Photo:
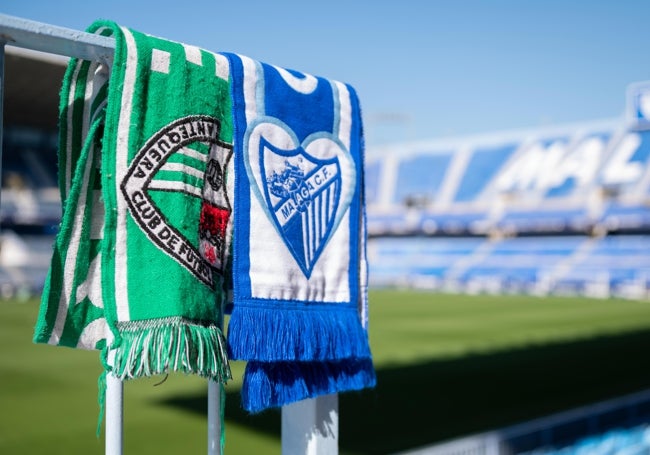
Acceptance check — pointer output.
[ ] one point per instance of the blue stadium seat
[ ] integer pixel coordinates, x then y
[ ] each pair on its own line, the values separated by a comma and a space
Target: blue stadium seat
482, 166
618, 216
420, 176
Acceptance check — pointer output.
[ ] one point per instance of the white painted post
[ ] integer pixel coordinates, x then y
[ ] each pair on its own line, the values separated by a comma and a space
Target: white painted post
114, 415
311, 427
214, 418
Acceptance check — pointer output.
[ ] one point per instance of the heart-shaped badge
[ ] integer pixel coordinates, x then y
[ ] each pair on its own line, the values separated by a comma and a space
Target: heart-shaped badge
305, 188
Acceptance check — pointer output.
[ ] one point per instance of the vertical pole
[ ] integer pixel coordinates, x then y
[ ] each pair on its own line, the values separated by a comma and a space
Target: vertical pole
114, 415
214, 418
311, 426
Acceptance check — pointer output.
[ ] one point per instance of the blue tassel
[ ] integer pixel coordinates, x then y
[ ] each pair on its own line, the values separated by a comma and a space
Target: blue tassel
285, 331
269, 385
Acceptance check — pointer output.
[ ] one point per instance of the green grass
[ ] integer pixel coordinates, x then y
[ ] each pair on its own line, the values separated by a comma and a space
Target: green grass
406, 327
447, 365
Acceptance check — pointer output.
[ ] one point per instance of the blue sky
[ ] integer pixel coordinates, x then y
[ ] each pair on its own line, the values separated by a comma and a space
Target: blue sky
423, 69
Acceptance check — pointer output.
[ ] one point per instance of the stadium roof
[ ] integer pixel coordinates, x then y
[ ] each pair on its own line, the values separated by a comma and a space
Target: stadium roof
31, 89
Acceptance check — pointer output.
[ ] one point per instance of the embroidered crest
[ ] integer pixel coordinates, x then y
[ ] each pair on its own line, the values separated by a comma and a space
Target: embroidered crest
193, 141
303, 194
304, 187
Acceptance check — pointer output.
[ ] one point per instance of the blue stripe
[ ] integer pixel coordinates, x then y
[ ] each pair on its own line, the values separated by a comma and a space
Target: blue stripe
241, 223
303, 113
356, 208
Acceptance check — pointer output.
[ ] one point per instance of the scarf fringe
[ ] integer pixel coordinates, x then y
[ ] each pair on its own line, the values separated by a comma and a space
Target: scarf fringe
277, 333
160, 346
269, 385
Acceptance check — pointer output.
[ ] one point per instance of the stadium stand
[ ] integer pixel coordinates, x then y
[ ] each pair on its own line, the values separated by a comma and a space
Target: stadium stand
563, 209
31, 207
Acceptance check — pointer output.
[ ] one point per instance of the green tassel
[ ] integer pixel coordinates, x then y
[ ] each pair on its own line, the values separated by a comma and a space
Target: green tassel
101, 399
160, 346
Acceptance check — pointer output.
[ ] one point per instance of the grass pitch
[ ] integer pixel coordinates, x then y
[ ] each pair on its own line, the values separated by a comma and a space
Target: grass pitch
447, 365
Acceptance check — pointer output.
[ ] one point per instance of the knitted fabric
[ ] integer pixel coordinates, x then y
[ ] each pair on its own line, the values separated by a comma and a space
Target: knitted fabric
299, 267
137, 269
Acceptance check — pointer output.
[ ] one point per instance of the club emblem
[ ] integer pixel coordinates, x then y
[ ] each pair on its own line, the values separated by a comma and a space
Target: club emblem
305, 189
182, 162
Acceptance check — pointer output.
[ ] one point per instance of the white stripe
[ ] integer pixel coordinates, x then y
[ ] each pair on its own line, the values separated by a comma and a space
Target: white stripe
324, 198
174, 185
69, 266
315, 229
250, 85
193, 154
345, 121
97, 76
317, 220
183, 168
93, 332
305, 237
345, 128
363, 267
314, 238
121, 167
160, 61
310, 227
332, 201
310, 238
193, 54
100, 74
222, 69
319, 217
363, 276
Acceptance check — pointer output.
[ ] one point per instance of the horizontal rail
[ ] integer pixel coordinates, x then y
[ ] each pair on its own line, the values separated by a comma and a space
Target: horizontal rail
49, 38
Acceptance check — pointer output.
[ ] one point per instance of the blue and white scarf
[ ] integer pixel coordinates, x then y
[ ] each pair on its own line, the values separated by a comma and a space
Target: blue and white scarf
299, 315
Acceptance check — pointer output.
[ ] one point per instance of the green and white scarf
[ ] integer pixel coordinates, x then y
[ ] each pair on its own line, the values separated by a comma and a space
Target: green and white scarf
145, 175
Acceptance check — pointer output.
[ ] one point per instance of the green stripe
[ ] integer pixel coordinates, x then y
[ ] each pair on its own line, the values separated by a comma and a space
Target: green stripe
200, 147
176, 176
